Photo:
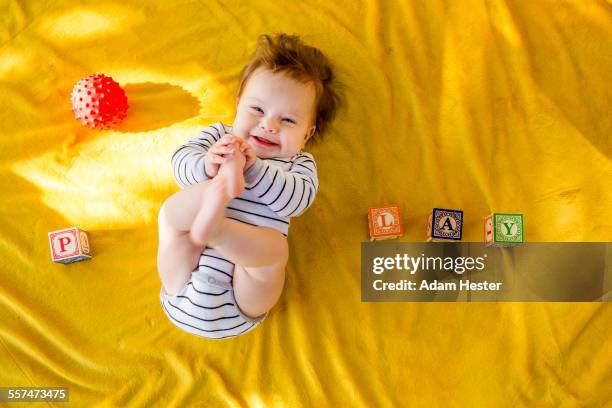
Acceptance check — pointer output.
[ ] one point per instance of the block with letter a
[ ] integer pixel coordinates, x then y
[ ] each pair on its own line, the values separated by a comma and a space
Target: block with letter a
444, 225
69, 245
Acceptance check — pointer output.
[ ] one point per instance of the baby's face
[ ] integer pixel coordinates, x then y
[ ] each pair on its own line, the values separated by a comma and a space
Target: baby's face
275, 114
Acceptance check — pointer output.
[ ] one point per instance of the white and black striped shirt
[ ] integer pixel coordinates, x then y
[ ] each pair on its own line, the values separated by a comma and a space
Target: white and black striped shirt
275, 189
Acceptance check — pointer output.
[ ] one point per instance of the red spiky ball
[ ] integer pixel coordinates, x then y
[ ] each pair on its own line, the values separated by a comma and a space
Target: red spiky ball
99, 102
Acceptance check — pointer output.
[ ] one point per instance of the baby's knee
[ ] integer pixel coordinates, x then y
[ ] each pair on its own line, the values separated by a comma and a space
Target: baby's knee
165, 228
162, 217
283, 251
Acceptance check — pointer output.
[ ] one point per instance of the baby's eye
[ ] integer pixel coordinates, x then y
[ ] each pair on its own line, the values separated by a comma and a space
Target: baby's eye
289, 120
257, 109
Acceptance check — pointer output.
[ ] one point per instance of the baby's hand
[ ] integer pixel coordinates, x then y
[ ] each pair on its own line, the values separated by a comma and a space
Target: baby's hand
218, 154
249, 153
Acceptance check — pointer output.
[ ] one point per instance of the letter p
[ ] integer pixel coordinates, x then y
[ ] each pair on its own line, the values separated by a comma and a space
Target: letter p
63, 241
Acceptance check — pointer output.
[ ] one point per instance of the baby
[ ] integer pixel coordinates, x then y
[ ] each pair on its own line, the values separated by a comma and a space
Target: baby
223, 237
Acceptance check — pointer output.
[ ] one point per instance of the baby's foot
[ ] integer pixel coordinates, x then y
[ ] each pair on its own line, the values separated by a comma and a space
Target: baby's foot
232, 172
228, 183
208, 220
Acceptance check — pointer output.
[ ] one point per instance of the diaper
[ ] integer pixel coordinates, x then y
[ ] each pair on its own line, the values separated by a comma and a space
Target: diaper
206, 305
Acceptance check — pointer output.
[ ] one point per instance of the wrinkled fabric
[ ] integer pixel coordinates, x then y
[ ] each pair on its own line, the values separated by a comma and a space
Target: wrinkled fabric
481, 106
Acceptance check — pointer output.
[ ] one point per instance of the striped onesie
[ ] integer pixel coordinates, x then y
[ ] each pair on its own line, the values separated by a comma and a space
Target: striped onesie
275, 190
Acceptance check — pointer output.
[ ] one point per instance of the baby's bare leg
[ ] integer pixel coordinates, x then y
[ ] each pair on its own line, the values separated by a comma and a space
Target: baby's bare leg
177, 254
260, 255
194, 218
189, 217
231, 184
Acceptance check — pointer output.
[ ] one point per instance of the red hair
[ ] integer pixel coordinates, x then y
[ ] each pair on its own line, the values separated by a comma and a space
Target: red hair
287, 54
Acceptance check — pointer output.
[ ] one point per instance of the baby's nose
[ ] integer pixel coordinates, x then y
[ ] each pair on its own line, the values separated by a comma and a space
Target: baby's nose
269, 125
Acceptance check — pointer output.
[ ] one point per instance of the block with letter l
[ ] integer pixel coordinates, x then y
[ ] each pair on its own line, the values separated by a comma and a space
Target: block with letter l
385, 222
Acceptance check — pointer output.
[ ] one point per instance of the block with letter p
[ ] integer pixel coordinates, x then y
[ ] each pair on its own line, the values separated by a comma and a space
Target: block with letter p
69, 245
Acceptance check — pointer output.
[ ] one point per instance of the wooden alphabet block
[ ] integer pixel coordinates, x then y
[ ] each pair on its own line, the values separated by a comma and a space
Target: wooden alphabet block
385, 222
69, 245
503, 229
445, 225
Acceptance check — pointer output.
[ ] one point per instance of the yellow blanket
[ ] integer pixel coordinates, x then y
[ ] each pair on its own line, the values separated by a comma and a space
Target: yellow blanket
476, 105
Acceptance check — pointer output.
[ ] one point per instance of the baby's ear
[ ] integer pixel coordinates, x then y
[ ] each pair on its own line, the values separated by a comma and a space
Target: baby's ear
309, 133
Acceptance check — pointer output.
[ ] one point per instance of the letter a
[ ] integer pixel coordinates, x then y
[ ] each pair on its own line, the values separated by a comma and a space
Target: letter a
447, 224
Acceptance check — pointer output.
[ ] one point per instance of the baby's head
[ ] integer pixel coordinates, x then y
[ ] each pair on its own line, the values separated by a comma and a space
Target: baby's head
287, 94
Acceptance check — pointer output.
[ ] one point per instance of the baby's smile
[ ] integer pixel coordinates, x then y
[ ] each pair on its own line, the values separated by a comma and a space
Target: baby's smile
262, 141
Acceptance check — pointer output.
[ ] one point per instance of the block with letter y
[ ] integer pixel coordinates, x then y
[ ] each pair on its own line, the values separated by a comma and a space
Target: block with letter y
502, 229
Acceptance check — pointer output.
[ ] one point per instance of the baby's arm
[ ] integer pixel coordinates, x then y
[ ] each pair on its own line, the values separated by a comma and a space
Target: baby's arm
287, 193
188, 160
